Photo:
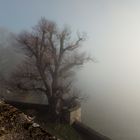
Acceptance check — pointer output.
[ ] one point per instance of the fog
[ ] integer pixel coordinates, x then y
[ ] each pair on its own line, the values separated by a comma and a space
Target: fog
113, 82
10, 53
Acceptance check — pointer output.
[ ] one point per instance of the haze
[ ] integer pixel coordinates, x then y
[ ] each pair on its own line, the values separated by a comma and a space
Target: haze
113, 82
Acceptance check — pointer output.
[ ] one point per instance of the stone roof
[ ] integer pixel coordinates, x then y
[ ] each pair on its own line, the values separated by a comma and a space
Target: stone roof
15, 125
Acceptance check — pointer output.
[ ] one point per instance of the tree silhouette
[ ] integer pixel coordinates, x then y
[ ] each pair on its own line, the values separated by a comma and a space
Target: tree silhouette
51, 58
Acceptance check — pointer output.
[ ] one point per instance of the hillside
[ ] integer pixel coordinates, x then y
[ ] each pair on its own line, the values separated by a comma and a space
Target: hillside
15, 125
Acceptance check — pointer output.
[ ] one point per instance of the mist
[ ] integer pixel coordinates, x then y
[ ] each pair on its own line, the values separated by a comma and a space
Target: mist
112, 82
10, 53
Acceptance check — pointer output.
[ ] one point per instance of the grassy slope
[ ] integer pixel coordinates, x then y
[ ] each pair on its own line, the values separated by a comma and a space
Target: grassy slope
62, 131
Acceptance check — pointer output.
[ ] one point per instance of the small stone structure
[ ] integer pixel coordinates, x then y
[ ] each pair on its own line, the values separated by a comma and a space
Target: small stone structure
73, 114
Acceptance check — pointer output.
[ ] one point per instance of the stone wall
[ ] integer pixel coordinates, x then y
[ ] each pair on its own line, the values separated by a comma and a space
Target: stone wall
69, 115
31, 109
40, 98
87, 132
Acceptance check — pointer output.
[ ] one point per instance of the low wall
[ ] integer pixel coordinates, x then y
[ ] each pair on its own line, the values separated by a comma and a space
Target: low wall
69, 115
25, 105
87, 132
41, 110
30, 108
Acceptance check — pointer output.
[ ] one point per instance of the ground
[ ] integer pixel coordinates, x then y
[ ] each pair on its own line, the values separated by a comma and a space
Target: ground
62, 131
15, 125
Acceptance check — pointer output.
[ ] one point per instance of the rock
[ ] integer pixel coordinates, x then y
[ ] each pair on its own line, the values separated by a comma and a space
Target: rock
15, 125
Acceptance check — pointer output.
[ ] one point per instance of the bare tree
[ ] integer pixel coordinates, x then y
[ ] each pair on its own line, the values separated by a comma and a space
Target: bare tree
51, 58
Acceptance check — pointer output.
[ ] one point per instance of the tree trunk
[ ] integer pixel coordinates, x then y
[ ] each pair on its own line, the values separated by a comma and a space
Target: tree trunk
55, 108
52, 109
